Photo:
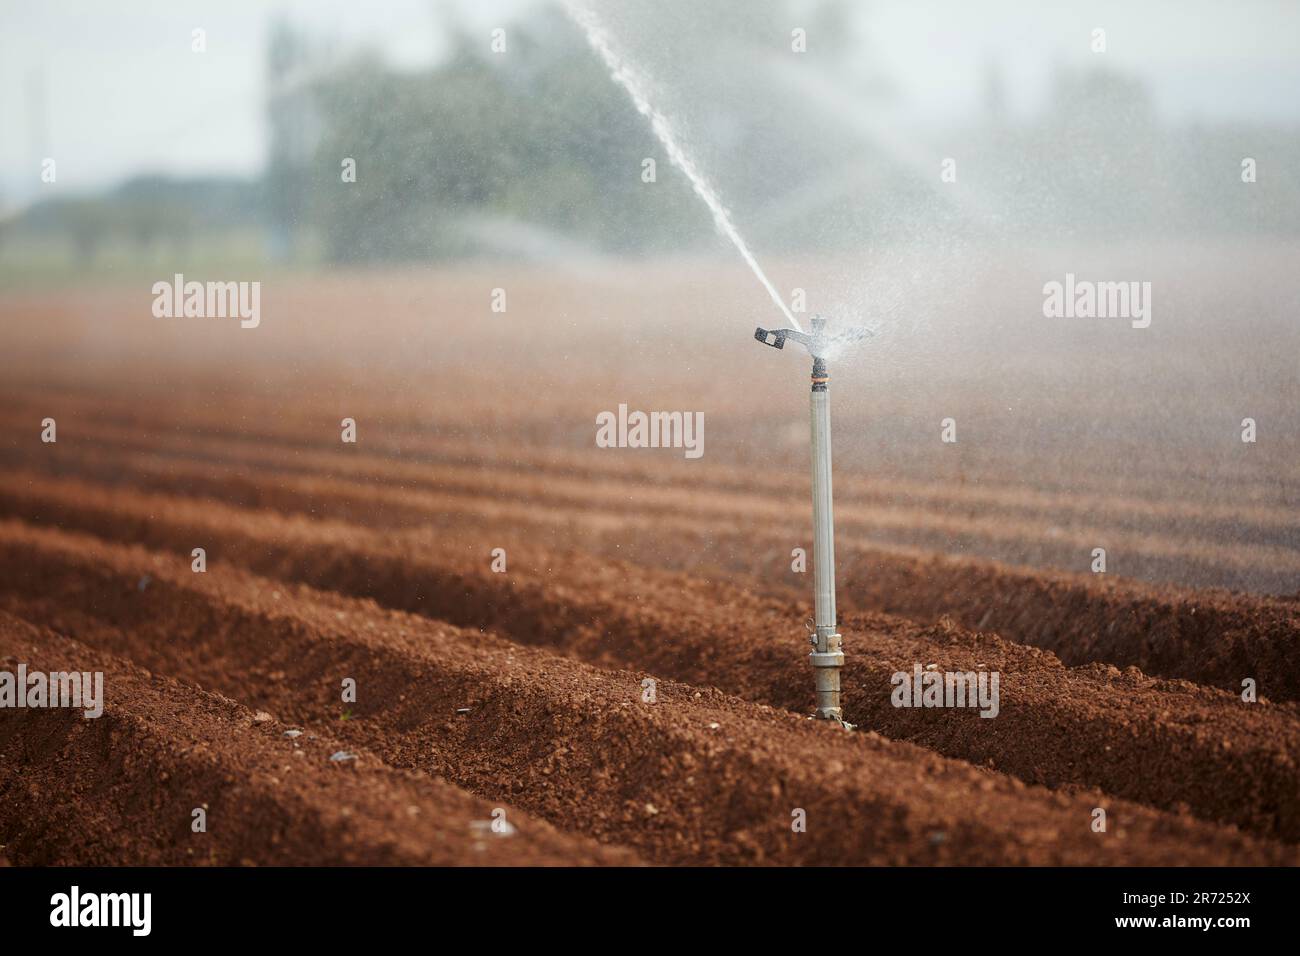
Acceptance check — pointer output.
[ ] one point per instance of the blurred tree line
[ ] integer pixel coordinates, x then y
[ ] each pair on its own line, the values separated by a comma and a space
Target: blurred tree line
540, 149
447, 159
146, 213
441, 156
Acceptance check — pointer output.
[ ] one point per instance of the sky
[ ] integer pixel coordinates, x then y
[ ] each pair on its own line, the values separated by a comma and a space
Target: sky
111, 88
1202, 59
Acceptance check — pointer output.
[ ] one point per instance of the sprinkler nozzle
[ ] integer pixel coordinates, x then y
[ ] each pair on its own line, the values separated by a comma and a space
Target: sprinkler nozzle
818, 342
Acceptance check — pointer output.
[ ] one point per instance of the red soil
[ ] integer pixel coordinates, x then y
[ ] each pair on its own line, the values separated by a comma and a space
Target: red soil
523, 691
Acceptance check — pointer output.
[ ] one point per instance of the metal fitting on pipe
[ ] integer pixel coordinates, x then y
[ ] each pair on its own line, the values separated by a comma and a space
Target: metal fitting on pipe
827, 659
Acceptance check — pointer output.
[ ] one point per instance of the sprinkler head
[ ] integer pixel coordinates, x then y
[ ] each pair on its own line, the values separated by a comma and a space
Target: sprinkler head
818, 342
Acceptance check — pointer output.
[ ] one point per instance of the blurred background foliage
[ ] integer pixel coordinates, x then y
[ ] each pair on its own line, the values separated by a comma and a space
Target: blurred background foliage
538, 155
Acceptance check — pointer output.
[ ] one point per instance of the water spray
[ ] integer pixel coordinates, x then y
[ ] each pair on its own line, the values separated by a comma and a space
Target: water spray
622, 72
827, 654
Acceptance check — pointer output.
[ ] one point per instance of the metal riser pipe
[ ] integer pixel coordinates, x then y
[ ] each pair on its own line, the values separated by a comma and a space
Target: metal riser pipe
827, 655
828, 651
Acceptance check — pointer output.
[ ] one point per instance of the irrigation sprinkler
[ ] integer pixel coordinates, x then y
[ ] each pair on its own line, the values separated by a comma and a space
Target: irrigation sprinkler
827, 653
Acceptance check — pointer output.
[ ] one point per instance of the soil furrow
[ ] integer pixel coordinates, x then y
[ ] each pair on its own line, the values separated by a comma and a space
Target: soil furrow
1143, 549
557, 475
1211, 637
1168, 744
695, 776
122, 788
1115, 621
410, 433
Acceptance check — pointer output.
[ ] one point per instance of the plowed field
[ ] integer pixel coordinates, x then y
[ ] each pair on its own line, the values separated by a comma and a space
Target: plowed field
632, 686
